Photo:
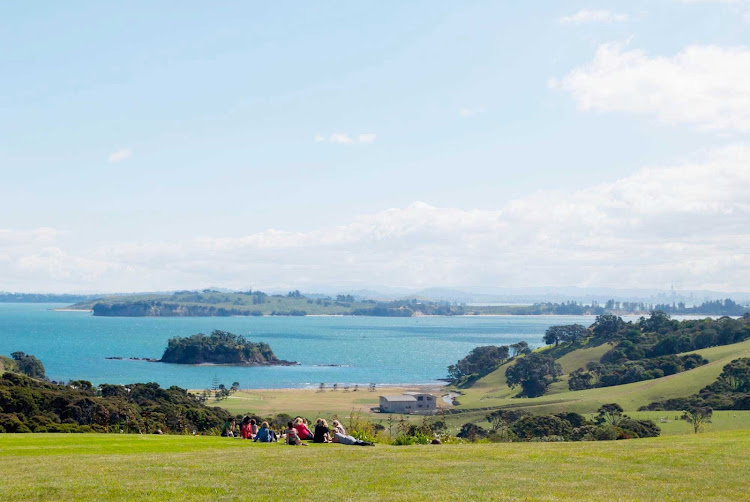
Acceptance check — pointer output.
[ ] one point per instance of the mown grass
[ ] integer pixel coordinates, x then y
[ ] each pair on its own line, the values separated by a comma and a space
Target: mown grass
712, 466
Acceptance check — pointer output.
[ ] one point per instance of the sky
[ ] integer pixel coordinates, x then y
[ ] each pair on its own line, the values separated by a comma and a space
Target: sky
180, 145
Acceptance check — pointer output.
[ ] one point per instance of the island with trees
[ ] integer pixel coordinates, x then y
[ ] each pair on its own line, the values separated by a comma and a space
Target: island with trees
220, 347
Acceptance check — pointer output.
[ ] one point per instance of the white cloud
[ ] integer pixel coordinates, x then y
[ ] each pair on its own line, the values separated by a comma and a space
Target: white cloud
470, 112
686, 223
594, 16
705, 86
119, 155
345, 139
342, 138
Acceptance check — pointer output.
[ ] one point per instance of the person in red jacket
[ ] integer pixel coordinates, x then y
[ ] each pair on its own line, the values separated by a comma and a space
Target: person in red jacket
302, 431
245, 430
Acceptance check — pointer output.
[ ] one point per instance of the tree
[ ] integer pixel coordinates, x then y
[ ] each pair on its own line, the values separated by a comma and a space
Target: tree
552, 335
657, 320
235, 387
29, 365
736, 375
565, 333
480, 361
698, 417
580, 379
533, 373
520, 348
610, 414
606, 326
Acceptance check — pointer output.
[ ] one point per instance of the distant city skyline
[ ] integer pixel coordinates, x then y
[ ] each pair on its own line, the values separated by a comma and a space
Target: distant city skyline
411, 145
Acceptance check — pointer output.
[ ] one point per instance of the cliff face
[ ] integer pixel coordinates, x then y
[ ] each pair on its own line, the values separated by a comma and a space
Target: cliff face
220, 348
161, 309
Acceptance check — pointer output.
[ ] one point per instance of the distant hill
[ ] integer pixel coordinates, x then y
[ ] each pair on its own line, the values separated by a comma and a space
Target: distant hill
212, 303
43, 298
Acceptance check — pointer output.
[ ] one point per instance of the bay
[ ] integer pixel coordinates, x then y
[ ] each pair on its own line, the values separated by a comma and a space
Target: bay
396, 351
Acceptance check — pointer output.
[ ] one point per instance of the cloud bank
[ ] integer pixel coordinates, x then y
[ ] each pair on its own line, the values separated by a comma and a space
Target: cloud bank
704, 86
685, 223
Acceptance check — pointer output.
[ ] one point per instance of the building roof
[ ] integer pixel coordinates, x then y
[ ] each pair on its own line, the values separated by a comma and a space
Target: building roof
400, 398
418, 394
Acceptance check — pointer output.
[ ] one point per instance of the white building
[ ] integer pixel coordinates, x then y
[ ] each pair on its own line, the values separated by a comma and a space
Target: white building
409, 403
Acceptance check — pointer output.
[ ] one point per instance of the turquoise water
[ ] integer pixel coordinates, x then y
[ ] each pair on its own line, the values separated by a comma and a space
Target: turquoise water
74, 345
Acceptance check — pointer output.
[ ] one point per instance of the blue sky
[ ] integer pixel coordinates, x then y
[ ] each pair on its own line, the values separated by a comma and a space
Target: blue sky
172, 145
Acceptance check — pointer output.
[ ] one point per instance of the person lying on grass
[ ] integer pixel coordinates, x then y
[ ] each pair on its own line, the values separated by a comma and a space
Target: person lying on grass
350, 440
340, 436
322, 432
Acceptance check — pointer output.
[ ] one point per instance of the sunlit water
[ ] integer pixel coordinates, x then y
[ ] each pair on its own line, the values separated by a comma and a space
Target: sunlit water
74, 345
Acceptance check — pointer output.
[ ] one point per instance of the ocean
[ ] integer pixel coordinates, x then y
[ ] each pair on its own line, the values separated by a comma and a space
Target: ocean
345, 350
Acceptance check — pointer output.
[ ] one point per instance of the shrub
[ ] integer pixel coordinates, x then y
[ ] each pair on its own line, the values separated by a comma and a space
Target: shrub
606, 432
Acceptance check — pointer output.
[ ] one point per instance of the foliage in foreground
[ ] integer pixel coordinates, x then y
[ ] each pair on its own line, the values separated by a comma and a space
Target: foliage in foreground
28, 405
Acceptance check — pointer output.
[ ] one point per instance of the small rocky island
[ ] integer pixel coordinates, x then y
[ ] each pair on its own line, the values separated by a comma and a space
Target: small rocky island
220, 347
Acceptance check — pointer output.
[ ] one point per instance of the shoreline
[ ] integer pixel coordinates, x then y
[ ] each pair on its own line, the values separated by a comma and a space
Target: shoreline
362, 388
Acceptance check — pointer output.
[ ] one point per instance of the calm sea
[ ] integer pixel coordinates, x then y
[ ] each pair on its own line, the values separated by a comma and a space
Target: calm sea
74, 345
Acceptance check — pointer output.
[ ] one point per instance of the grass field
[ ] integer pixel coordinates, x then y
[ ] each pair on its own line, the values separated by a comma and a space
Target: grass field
713, 466
309, 402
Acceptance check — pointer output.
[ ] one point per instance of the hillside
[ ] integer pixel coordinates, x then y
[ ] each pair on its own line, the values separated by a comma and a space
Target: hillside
492, 390
148, 467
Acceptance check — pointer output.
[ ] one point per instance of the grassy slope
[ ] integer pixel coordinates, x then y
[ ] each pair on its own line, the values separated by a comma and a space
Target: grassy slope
7, 364
493, 391
98, 467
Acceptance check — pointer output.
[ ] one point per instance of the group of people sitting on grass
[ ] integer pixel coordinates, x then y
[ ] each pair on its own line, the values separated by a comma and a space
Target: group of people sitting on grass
295, 433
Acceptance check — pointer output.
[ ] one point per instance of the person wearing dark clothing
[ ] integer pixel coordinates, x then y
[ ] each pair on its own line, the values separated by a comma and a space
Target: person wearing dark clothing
322, 432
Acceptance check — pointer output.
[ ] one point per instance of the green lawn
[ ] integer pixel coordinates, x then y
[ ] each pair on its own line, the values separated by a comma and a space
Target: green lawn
713, 466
